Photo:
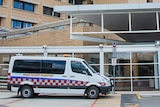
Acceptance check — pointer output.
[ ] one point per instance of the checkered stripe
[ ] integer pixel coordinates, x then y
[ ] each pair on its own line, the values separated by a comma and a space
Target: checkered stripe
39, 81
77, 83
50, 82
102, 83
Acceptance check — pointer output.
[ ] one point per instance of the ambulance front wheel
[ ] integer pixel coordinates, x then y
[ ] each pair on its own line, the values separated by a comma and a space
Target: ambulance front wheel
92, 92
26, 92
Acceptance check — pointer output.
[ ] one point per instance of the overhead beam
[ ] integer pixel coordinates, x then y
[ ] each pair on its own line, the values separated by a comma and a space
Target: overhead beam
40, 27
76, 49
95, 39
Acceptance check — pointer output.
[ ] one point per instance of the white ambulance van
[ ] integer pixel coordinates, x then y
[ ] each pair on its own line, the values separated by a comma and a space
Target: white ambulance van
30, 75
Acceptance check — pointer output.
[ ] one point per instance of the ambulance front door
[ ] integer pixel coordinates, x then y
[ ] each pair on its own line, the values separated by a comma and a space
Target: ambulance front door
77, 78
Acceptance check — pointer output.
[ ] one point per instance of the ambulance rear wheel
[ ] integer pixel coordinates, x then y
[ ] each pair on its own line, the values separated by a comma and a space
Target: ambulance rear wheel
92, 92
26, 92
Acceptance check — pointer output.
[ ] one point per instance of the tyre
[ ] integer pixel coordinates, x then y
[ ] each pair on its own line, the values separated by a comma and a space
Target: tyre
92, 92
26, 92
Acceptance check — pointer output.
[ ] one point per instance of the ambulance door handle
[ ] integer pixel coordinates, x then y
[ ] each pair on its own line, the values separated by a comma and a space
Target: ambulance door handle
64, 76
72, 76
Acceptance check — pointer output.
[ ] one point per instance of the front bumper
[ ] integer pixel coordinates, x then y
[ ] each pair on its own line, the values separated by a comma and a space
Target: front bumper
105, 89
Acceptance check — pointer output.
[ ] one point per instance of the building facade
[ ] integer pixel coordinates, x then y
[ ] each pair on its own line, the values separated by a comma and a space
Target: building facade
134, 69
20, 14
15, 14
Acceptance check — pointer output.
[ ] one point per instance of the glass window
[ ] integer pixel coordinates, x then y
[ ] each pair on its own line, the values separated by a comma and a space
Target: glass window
143, 84
23, 5
27, 66
29, 7
1, 2
1, 21
120, 71
16, 24
76, 2
122, 57
149, 1
53, 67
78, 67
70, 1
27, 24
91, 58
18, 4
143, 70
143, 57
47, 10
21, 24
57, 14
123, 84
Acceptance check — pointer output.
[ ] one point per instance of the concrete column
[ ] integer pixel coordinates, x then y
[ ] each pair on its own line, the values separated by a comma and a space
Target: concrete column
159, 65
101, 57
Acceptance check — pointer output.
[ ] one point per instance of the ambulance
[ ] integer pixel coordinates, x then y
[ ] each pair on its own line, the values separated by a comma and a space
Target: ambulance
29, 76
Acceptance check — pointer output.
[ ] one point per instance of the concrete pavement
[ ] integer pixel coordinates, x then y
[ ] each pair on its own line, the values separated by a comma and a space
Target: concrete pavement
111, 100
10, 99
141, 99
137, 99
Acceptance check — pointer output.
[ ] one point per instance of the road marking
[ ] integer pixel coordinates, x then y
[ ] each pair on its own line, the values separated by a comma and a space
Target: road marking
13, 101
109, 102
131, 105
138, 96
94, 102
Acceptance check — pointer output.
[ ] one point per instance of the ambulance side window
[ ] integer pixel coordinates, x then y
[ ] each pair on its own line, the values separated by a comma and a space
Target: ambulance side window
78, 67
53, 66
27, 66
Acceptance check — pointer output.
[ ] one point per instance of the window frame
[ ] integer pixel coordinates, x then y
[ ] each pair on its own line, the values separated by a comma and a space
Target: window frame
75, 2
39, 66
22, 65
21, 5
27, 24
18, 4
30, 7
22, 24
49, 12
54, 66
16, 24
56, 14
79, 70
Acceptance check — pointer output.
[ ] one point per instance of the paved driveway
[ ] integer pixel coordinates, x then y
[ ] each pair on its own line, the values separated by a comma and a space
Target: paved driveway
148, 99
10, 99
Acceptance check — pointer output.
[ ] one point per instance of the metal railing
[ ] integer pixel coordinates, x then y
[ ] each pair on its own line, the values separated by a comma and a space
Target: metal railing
3, 76
3, 82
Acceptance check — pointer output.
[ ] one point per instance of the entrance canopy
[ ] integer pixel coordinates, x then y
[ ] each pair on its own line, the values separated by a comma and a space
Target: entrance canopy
132, 22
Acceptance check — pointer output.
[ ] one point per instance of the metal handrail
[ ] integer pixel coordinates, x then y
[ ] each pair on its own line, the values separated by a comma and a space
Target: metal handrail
4, 79
3, 82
